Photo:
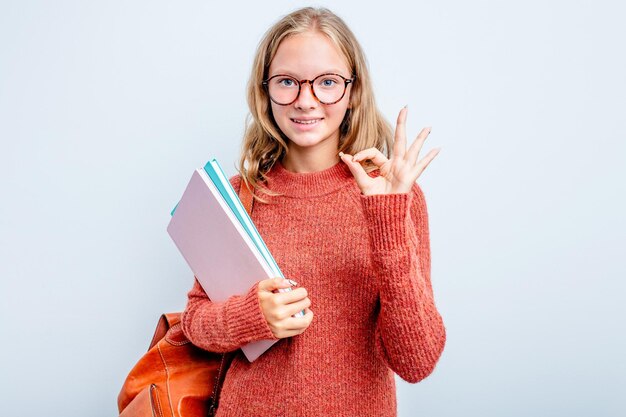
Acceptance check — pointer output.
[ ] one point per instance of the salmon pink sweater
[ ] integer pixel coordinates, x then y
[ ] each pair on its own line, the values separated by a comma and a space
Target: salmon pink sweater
365, 262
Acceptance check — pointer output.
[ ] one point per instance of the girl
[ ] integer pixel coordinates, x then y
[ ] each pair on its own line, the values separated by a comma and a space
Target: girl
352, 233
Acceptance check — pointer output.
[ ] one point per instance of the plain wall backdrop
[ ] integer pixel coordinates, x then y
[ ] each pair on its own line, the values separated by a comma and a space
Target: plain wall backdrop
106, 108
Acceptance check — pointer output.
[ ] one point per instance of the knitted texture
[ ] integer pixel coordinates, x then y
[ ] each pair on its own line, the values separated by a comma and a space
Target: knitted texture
365, 262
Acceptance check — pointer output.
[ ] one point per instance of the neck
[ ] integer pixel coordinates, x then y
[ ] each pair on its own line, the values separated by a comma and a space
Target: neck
303, 166
306, 159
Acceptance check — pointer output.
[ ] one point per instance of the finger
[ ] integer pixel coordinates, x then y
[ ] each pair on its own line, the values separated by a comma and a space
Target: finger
399, 144
293, 308
289, 333
414, 149
298, 323
423, 163
292, 296
272, 284
357, 170
377, 157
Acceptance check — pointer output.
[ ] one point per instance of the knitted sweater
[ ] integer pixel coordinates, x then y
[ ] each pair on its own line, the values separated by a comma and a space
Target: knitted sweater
365, 263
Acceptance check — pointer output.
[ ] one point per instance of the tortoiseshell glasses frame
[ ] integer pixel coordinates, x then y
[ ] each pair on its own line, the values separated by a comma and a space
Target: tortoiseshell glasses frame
346, 81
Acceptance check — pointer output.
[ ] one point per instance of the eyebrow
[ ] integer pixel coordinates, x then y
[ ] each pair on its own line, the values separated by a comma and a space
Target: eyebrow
286, 72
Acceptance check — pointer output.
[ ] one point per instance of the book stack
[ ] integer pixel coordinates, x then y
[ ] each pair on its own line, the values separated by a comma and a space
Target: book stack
220, 243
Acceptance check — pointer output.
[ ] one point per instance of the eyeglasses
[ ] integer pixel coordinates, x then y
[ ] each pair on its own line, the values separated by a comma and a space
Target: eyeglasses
327, 88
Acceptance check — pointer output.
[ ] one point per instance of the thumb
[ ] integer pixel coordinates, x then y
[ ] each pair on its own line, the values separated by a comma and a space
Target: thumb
272, 284
356, 168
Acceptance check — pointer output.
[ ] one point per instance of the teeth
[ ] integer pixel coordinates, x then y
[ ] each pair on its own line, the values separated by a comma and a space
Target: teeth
305, 122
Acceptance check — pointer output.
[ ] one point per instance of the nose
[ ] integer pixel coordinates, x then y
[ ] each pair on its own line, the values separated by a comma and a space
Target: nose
306, 98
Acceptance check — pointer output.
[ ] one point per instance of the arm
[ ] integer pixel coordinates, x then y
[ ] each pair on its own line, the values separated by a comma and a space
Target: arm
224, 326
410, 335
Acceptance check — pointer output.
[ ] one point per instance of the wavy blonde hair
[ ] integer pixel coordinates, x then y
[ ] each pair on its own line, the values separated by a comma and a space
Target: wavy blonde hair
362, 127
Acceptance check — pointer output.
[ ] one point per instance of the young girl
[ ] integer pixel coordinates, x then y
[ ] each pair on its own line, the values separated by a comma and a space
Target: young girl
352, 233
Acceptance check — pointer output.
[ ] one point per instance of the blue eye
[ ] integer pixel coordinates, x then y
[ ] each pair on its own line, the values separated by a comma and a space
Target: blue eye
328, 82
286, 82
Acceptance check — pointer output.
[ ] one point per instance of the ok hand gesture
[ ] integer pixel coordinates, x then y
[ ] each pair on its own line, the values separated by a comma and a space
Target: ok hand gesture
398, 174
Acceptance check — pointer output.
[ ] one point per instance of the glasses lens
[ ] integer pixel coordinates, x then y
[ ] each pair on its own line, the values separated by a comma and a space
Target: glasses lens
283, 89
329, 88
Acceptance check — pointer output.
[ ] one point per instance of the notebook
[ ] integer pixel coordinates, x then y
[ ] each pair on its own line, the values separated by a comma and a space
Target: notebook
217, 176
220, 243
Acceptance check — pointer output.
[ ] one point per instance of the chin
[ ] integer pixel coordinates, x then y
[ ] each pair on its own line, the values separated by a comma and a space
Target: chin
307, 141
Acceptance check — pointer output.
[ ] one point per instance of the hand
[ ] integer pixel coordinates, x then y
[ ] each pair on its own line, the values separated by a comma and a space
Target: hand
398, 174
278, 308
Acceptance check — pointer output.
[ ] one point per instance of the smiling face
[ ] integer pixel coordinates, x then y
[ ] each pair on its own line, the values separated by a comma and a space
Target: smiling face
310, 125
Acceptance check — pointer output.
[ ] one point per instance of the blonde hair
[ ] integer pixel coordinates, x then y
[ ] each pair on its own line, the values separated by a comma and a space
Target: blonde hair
363, 125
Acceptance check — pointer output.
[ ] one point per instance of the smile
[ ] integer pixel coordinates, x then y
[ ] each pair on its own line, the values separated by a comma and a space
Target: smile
306, 122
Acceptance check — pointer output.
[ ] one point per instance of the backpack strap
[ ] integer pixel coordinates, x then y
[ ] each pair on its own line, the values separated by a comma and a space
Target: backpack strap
245, 195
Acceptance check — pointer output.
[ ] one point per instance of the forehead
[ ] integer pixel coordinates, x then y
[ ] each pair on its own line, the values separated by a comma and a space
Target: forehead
307, 55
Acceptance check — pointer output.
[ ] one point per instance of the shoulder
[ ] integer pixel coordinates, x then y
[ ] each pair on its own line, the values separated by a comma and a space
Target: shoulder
235, 181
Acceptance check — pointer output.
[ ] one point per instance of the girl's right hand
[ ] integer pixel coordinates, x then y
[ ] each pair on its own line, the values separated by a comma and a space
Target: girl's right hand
278, 308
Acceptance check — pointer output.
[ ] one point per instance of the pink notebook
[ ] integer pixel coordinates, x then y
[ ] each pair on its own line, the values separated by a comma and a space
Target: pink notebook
220, 253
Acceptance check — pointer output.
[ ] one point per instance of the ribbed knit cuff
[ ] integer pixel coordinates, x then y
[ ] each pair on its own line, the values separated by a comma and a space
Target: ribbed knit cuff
387, 220
246, 322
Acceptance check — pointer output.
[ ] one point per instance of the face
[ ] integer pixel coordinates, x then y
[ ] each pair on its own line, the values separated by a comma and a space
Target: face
306, 122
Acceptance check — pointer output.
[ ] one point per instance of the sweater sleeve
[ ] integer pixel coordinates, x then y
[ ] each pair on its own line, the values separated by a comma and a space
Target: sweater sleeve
224, 326
410, 334
228, 325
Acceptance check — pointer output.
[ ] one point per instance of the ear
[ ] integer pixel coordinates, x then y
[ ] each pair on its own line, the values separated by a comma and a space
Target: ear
350, 99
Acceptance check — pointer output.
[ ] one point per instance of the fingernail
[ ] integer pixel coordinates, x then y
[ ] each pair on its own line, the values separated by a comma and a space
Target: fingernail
293, 282
406, 106
341, 154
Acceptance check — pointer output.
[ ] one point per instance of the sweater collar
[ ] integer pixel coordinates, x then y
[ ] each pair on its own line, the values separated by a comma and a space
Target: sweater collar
310, 184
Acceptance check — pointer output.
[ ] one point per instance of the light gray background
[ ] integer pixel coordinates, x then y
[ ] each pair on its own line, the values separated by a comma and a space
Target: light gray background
106, 107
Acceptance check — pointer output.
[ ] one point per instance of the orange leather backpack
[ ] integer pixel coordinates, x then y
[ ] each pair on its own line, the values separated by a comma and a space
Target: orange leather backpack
175, 378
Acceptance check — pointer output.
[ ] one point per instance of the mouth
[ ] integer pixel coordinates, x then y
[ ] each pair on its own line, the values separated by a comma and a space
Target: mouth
306, 121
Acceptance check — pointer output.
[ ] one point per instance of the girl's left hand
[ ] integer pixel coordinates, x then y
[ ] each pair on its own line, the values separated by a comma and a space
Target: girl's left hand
398, 174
